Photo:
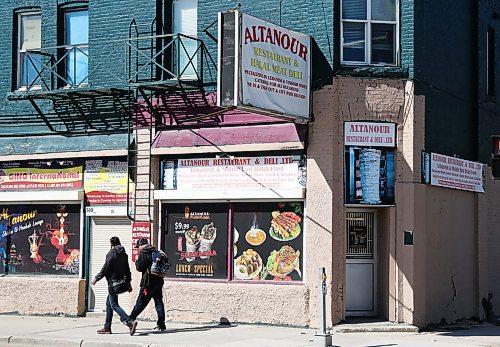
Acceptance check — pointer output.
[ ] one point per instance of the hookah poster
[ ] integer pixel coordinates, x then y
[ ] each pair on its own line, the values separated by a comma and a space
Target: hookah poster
40, 239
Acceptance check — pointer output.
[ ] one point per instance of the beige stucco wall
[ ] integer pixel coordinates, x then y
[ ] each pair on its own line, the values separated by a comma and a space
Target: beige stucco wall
489, 242
450, 254
42, 295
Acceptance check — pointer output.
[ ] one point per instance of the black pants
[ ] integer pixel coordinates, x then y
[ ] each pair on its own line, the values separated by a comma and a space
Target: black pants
154, 292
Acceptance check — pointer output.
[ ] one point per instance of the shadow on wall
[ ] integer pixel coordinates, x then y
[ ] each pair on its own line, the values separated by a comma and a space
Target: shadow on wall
321, 70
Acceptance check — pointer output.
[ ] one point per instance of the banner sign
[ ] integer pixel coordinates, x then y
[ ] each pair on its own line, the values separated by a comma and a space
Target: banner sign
370, 134
275, 67
41, 175
276, 172
105, 181
196, 240
40, 239
456, 173
139, 230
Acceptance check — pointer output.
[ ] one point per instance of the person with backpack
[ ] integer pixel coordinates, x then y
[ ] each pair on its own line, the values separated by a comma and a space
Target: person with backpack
153, 264
117, 273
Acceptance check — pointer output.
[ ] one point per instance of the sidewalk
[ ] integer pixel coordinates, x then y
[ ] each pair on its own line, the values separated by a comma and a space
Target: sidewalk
55, 331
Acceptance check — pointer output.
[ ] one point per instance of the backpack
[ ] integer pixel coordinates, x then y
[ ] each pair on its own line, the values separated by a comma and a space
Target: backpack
160, 264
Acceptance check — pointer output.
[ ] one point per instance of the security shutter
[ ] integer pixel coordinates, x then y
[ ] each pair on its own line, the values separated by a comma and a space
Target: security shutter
102, 229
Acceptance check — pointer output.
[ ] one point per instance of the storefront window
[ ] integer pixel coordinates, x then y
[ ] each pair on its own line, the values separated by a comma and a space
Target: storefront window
40, 239
370, 176
268, 241
196, 240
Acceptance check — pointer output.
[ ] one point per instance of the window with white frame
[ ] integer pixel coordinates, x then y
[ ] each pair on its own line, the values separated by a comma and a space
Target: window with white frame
28, 46
185, 21
369, 32
76, 37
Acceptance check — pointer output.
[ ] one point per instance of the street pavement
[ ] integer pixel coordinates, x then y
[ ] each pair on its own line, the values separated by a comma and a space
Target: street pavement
59, 331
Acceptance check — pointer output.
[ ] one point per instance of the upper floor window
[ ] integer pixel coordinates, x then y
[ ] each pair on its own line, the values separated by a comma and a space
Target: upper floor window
185, 21
76, 36
28, 43
369, 32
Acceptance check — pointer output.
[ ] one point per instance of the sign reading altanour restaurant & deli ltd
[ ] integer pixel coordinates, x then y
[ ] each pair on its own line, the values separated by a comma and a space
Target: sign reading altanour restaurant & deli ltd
369, 134
41, 175
277, 172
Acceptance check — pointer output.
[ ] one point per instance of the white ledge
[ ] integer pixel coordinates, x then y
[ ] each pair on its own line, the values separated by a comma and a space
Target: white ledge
46, 195
277, 194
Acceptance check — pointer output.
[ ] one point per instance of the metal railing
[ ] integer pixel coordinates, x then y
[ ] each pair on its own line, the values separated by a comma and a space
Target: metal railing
135, 60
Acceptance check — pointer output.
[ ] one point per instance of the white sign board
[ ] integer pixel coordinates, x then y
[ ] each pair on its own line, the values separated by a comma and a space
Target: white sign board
275, 67
456, 173
370, 134
242, 173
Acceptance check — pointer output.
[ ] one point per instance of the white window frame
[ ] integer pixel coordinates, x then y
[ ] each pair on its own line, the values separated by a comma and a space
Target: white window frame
82, 46
195, 61
19, 73
368, 34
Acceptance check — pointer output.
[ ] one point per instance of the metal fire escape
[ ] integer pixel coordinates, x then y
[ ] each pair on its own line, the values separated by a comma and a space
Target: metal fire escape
166, 82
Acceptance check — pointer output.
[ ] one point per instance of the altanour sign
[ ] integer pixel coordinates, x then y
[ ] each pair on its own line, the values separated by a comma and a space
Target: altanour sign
271, 64
450, 172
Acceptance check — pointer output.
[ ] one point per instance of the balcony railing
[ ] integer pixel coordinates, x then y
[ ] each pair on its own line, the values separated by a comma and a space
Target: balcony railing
134, 61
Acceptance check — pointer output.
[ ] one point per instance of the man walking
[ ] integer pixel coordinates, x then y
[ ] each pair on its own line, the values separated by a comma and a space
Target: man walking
116, 270
151, 285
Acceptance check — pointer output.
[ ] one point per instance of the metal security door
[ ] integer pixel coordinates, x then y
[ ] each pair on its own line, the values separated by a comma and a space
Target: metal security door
361, 276
102, 229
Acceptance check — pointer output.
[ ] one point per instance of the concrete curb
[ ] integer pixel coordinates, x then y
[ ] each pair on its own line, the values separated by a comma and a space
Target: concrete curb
42, 341
377, 329
95, 343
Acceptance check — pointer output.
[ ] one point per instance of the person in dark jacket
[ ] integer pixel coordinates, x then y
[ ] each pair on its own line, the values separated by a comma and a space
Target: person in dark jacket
115, 268
151, 285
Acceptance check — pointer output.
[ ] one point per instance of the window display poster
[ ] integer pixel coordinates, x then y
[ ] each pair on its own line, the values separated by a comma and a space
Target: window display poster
105, 181
268, 241
370, 176
196, 240
40, 239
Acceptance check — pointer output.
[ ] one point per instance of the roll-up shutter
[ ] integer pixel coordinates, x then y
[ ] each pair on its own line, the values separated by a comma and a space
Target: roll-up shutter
102, 229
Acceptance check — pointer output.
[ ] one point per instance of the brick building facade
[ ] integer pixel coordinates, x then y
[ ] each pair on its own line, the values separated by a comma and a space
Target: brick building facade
427, 80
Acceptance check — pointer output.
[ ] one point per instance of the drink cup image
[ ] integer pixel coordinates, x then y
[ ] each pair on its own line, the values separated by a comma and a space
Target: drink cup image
369, 162
192, 242
207, 238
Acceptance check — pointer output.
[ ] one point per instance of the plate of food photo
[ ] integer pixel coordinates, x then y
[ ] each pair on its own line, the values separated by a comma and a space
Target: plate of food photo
285, 226
248, 265
282, 262
255, 237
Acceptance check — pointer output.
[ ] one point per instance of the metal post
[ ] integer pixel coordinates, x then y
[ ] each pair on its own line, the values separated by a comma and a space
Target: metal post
323, 337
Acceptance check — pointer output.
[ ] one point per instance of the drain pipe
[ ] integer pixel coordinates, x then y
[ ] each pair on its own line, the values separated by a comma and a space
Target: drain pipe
323, 338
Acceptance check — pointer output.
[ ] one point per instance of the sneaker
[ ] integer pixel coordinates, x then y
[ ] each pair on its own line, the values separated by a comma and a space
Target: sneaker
157, 328
105, 330
132, 326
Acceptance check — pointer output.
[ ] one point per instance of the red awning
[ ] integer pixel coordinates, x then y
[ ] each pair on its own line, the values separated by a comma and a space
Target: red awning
278, 136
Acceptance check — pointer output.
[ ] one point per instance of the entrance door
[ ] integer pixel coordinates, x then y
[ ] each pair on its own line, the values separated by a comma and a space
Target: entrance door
102, 229
361, 276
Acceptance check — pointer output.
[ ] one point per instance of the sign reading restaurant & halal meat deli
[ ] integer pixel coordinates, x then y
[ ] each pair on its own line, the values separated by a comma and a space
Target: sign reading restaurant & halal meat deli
196, 240
275, 67
369, 134
41, 175
278, 172
456, 173
140, 230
